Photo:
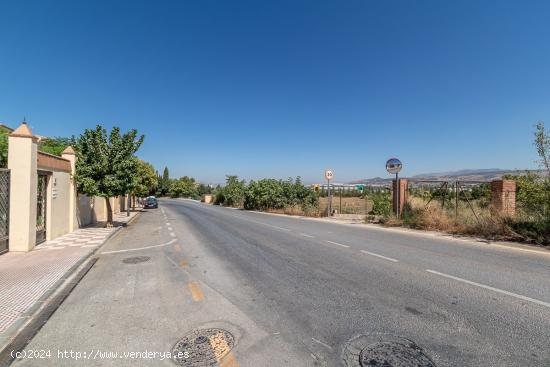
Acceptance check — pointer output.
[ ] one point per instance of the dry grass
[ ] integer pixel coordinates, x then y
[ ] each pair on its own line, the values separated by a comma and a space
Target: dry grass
296, 210
350, 205
477, 221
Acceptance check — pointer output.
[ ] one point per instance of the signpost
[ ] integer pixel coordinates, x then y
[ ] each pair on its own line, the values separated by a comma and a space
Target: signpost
329, 175
394, 165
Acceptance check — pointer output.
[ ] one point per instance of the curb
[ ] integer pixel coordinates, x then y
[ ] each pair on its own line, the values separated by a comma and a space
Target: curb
29, 323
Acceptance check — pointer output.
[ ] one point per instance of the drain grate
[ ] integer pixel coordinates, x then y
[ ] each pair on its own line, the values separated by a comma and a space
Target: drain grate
136, 259
203, 347
394, 354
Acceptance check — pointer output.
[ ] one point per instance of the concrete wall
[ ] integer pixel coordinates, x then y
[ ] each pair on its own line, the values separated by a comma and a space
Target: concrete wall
22, 162
58, 197
84, 211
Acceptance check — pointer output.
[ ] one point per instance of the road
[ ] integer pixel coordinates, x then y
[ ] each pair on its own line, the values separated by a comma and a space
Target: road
299, 292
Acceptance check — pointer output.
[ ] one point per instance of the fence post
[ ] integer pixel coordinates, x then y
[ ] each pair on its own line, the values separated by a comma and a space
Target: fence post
403, 187
503, 196
69, 154
22, 163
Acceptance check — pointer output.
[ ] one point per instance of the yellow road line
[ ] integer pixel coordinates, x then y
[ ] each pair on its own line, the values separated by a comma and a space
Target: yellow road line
184, 263
196, 291
220, 349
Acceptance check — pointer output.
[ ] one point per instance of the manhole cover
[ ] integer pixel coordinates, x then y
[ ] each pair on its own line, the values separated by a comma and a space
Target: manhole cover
203, 347
136, 259
394, 354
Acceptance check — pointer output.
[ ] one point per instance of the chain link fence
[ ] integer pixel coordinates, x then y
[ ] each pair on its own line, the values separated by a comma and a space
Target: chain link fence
4, 209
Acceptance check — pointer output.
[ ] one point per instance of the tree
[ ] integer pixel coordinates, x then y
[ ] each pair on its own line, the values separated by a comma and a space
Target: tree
542, 142
184, 187
106, 164
3, 148
55, 145
232, 194
164, 183
146, 181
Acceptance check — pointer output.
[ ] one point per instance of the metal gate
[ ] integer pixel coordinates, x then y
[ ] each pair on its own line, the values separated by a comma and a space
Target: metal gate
4, 209
41, 207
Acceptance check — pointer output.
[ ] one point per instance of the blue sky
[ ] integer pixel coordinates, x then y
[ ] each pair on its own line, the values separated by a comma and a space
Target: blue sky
286, 88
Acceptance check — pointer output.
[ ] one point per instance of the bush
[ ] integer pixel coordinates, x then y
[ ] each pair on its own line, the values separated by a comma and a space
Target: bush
381, 203
232, 194
268, 194
184, 187
536, 231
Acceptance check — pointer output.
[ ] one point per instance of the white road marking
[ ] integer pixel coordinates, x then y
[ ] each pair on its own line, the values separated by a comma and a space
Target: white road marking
380, 256
337, 244
139, 248
306, 235
172, 234
170, 229
168, 223
519, 296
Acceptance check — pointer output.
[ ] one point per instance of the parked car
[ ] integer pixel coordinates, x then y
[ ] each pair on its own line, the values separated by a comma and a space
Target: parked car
150, 203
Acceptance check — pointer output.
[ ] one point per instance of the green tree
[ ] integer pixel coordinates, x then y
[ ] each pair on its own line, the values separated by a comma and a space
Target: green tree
232, 194
106, 164
146, 181
3, 148
542, 143
164, 183
184, 187
55, 145
265, 194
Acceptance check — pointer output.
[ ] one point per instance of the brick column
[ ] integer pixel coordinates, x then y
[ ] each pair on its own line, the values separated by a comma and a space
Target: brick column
403, 190
69, 154
22, 163
503, 196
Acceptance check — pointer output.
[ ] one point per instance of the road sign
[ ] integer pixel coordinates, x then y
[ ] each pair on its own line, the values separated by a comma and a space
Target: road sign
329, 175
393, 165
359, 187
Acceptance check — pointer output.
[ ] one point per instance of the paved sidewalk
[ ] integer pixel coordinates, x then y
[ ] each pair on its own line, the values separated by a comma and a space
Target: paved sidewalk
28, 278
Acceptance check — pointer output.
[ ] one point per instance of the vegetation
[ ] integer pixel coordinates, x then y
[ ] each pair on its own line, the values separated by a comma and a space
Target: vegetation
106, 165
3, 148
381, 203
232, 194
184, 187
533, 195
164, 183
268, 195
55, 146
434, 209
145, 180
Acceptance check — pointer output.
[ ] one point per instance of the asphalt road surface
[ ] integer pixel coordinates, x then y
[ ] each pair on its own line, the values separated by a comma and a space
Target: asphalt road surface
299, 292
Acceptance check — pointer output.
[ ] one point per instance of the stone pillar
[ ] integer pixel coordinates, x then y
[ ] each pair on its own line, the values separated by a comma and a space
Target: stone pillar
69, 155
503, 196
22, 163
403, 190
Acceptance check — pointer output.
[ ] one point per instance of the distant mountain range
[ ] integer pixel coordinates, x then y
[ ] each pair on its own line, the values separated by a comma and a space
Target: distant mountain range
486, 174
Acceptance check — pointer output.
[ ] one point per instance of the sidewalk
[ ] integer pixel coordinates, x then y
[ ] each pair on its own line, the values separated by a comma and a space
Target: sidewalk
27, 279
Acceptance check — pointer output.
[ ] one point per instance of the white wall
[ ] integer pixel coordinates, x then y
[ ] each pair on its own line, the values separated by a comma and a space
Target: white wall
57, 207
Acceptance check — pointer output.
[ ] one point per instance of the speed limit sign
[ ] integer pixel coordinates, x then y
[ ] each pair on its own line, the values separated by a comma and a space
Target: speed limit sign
329, 174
